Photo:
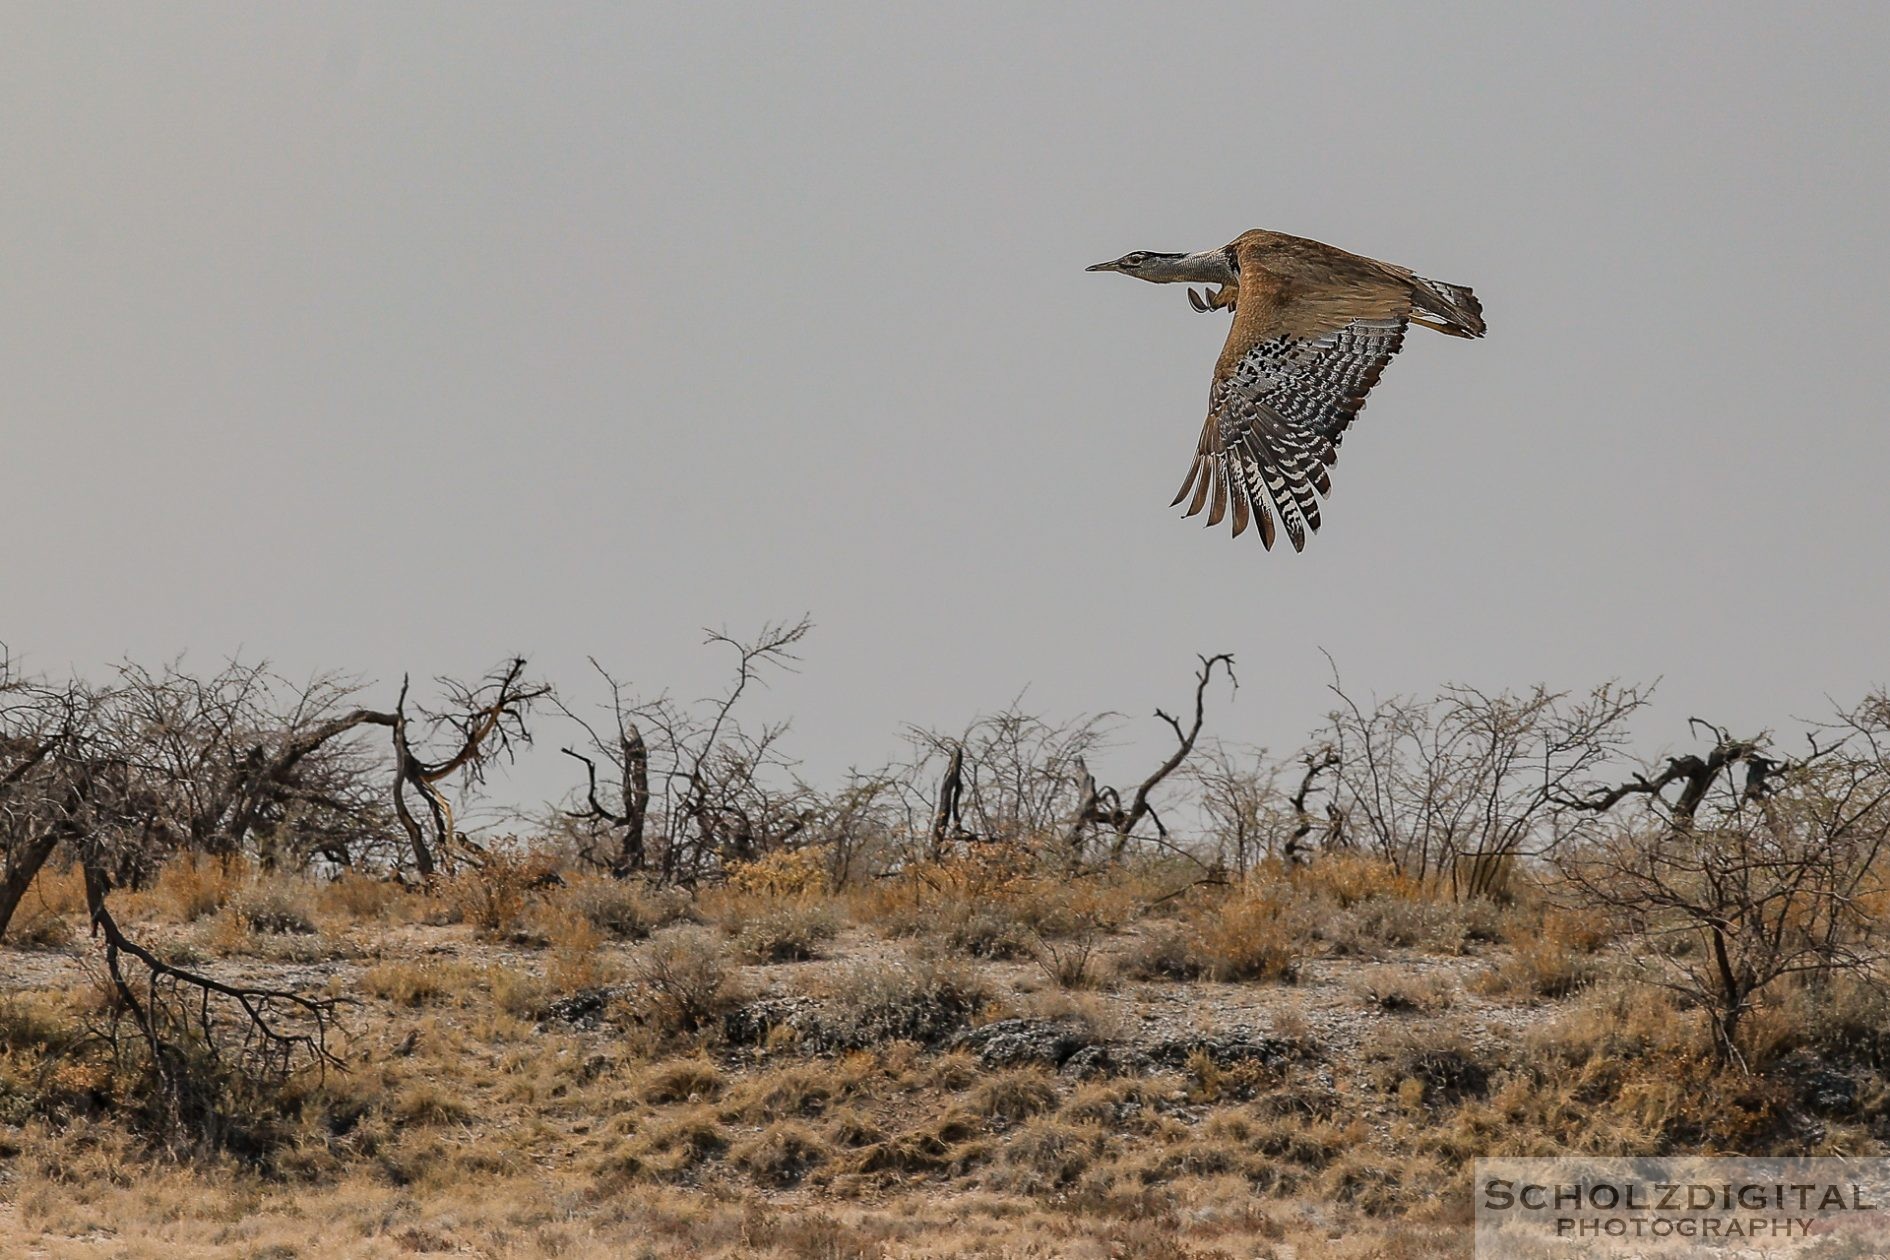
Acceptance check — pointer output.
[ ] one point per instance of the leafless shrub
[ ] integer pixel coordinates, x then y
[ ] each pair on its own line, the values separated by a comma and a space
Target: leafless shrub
1455, 789
1066, 962
1013, 777
1068, 927
1006, 776
1251, 818
160, 763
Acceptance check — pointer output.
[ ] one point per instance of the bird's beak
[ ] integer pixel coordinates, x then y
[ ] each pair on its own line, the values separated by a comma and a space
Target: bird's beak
1108, 266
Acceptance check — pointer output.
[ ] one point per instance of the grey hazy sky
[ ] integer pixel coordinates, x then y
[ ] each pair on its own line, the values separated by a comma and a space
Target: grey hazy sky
401, 337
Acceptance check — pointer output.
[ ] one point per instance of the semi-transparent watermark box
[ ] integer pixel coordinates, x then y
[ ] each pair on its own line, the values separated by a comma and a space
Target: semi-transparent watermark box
1618, 1209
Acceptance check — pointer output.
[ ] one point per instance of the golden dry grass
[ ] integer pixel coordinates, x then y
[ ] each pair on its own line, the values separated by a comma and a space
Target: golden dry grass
592, 1069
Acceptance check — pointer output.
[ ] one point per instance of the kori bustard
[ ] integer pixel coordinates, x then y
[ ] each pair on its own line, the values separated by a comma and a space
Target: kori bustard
1313, 328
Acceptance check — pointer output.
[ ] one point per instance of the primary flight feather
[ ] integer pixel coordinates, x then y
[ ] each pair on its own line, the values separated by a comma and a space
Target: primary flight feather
1313, 328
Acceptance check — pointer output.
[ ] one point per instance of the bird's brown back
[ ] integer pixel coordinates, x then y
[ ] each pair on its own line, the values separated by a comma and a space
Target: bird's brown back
1301, 288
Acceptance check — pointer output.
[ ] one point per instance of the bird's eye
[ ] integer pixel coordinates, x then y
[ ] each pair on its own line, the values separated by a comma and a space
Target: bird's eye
1136, 259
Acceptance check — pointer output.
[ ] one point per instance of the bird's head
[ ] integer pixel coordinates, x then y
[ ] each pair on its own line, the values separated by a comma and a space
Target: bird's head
1143, 265
1210, 266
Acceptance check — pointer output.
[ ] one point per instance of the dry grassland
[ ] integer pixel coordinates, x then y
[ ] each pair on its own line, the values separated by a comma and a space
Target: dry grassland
971, 1059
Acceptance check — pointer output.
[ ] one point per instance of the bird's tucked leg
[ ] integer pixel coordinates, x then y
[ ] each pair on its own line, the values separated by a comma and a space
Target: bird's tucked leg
1216, 299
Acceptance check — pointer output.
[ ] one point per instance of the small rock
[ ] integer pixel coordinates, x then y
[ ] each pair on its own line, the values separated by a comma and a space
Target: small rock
583, 1009
1102, 1060
1012, 1042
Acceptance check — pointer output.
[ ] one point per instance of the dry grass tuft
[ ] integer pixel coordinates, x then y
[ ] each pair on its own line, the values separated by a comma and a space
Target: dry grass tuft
191, 888
623, 909
948, 1144
801, 1089
781, 1155
919, 999
49, 909
494, 896
1256, 932
682, 1080
38, 927
1348, 879
785, 874
430, 1102
1014, 1095
1401, 992
669, 1148
416, 984
1048, 1154
786, 931
1538, 969
1432, 1064
992, 901
578, 959
360, 898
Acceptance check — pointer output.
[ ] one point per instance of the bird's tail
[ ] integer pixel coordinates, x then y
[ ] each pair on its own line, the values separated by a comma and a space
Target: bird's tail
1452, 308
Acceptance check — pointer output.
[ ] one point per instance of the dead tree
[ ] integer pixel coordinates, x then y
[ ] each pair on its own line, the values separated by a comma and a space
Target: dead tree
1006, 777
249, 762
1761, 859
1099, 807
1696, 776
237, 762
201, 1036
77, 776
37, 723
685, 788
947, 819
629, 756
1295, 850
481, 723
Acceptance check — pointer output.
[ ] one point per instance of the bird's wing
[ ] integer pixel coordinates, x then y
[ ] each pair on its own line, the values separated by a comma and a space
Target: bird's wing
1301, 357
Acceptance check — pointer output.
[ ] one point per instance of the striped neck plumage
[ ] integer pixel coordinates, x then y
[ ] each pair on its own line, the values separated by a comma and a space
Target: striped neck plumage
1210, 266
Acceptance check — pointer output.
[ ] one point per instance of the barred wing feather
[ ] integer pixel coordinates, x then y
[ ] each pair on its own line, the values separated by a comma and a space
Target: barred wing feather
1275, 421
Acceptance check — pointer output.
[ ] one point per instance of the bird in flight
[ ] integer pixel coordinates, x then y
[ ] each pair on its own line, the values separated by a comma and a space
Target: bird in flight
1313, 328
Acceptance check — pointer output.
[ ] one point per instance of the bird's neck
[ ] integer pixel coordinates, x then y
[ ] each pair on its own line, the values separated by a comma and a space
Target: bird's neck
1211, 266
